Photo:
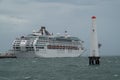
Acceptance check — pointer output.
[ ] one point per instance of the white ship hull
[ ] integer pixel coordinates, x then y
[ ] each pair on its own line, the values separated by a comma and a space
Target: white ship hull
49, 53
58, 53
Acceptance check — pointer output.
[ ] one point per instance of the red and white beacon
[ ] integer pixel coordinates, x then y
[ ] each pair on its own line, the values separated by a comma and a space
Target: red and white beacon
94, 53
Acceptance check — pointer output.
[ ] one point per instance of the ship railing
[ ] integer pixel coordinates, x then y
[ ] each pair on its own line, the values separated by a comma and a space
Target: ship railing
65, 43
62, 47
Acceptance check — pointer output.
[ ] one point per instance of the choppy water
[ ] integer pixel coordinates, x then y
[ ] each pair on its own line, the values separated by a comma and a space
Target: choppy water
59, 69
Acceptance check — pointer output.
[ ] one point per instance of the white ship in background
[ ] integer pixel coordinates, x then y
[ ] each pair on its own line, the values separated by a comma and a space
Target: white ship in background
44, 44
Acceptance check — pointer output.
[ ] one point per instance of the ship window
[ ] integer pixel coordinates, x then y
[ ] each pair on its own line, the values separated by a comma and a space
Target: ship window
82, 48
40, 47
17, 47
29, 48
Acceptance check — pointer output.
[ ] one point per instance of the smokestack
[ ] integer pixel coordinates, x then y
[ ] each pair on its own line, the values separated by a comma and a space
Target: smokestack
43, 31
94, 53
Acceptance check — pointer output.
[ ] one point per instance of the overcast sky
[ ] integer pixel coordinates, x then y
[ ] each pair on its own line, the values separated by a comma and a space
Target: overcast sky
21, 17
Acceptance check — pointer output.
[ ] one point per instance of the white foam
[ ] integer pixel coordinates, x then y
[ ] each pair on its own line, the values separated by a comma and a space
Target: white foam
115, 75
27, 77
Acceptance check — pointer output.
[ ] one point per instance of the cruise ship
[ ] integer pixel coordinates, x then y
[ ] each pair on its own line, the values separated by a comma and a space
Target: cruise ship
43, 44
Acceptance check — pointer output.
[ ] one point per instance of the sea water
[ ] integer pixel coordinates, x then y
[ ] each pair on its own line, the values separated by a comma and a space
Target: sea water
59, 69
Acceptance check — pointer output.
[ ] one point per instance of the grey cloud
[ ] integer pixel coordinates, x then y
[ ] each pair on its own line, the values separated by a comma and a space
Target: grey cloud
12, 20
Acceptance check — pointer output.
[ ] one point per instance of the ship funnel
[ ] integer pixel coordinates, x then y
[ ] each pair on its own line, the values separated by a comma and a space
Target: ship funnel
42, 27
43, 31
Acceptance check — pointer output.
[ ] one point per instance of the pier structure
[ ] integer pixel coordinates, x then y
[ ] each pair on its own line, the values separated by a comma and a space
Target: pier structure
7, 55
94, 58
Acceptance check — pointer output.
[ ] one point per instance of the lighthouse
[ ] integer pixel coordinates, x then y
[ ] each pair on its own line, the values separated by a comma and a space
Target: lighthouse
94, 53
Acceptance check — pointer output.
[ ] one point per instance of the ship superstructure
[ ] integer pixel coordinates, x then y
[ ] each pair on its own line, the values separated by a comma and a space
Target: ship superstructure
44, 44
